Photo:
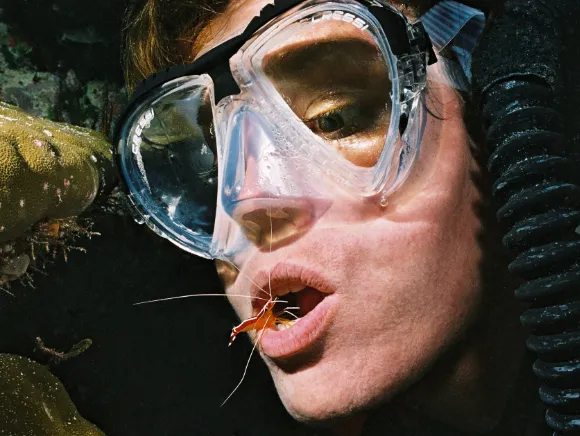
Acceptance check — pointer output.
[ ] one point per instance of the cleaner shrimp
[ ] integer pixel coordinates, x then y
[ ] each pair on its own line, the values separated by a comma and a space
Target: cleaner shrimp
265, 319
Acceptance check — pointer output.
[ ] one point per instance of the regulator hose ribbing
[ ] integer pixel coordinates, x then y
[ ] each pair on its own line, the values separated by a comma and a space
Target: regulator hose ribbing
537, 185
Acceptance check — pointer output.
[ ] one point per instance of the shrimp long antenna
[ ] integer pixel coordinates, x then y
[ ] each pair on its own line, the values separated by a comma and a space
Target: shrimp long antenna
197, 295
247, 363
246, 276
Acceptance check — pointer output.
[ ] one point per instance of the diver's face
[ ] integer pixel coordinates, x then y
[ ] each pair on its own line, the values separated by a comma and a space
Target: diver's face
387, 293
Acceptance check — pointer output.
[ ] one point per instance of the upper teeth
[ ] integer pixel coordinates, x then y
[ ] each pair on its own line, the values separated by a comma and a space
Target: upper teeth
288, 289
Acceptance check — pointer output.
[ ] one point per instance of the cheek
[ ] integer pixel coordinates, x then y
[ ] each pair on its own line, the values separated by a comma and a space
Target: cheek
410, 294
429, 240
425, 275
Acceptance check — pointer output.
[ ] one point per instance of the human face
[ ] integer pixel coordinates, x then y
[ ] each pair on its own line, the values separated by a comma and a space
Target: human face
398, 283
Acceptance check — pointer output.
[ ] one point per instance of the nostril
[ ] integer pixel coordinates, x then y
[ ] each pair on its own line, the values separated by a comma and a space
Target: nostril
278, 213
269, 223
269, 226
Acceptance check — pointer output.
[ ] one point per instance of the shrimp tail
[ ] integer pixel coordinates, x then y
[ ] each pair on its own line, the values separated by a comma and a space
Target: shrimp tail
246, 325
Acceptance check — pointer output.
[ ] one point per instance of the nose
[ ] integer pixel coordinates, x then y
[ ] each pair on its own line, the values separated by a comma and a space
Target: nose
270, 212
275, 204
270, 223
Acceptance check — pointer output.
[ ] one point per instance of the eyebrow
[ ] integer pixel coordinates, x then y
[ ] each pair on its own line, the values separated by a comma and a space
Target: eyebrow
304, 47
289, 61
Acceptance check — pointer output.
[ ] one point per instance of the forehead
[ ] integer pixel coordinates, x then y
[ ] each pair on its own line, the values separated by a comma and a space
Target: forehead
237, 16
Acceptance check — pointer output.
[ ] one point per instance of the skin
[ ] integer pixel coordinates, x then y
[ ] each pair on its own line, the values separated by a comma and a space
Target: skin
413, 317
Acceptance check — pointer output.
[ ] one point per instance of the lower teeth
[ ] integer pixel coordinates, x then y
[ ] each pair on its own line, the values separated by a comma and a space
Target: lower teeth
286, 325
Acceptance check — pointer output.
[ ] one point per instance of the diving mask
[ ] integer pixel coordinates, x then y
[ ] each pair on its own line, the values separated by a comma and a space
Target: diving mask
314, 103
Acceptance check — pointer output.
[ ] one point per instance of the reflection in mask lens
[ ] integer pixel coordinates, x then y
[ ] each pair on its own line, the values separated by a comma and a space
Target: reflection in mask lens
335, 78
179, 161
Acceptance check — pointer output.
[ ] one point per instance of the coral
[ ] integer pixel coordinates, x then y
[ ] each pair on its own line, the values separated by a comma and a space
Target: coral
34, 402
47, 170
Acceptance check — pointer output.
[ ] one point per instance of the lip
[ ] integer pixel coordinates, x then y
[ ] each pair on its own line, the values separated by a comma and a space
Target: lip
301, 336
282, 276
311, 327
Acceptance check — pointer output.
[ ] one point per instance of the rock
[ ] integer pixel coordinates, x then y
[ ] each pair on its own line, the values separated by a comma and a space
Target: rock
36, 93
34, 402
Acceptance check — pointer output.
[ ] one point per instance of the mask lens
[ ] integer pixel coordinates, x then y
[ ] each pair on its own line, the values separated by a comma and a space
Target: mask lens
173, 163
332, 73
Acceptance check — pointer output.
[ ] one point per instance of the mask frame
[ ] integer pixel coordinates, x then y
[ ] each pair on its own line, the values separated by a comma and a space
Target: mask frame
227, 69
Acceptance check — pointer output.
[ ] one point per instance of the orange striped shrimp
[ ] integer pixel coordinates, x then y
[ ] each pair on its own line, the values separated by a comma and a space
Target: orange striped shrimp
264, 319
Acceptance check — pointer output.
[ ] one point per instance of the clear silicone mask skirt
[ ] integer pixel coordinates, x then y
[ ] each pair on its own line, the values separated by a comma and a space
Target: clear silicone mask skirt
325, 128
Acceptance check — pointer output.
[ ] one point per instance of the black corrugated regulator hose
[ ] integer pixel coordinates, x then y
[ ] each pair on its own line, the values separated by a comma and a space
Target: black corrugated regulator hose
537, 185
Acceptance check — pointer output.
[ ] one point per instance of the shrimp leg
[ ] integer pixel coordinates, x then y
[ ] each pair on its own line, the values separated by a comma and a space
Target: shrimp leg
256, 322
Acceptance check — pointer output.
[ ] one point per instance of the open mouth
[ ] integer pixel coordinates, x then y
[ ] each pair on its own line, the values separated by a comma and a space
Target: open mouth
299, 304
291, 305
299, 317
288, 304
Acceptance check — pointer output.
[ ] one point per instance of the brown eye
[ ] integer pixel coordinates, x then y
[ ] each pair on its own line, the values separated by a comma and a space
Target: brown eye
329, 123
326, 125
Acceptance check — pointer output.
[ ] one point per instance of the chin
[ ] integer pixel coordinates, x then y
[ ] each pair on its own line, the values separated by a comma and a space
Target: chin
318, 397
319, 413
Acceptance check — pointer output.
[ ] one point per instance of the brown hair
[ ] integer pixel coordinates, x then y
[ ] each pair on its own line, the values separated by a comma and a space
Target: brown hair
161, 33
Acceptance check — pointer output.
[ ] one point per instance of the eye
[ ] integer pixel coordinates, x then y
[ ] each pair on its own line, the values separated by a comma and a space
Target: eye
334, 124
329, 123
338, 123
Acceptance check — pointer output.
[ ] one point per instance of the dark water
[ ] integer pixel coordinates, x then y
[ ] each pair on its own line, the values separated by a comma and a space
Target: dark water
159, 369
